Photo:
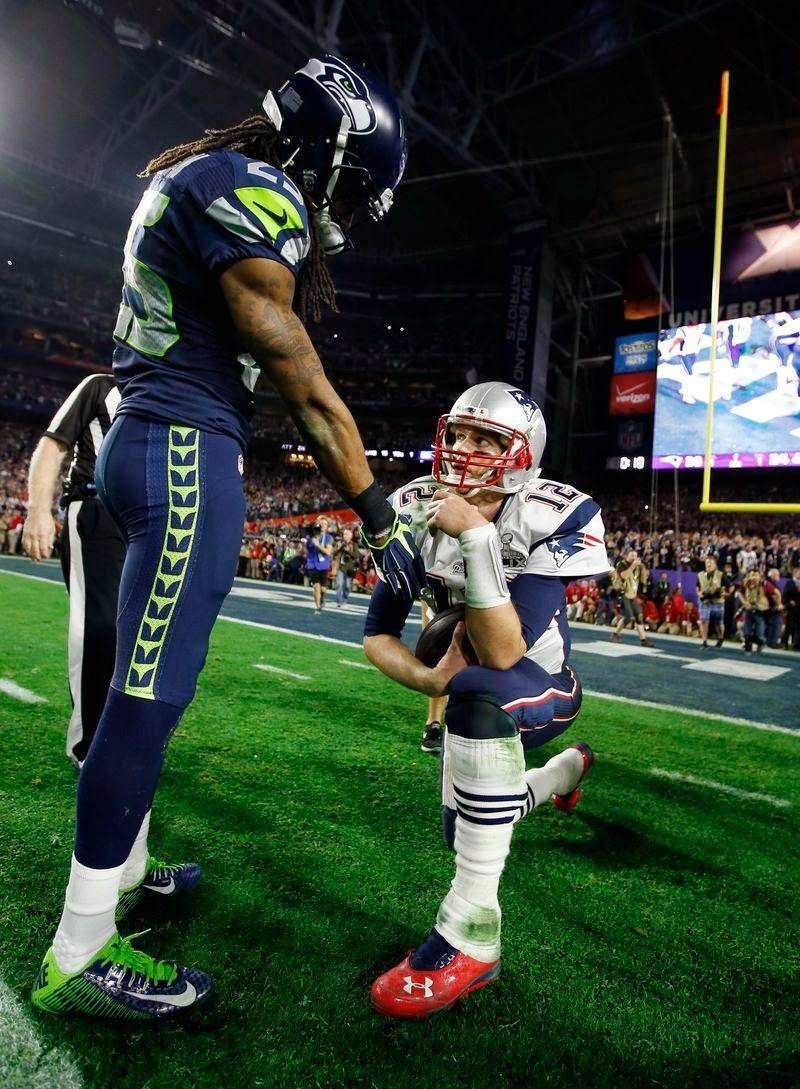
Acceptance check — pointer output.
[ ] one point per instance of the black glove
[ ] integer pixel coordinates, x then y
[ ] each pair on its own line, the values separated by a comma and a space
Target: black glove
397, 559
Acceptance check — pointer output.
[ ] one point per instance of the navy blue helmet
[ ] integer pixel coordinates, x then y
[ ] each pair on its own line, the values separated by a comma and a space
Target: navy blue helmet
341, 138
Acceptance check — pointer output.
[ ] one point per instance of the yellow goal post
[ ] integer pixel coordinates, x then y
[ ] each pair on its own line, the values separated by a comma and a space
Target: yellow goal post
706, 503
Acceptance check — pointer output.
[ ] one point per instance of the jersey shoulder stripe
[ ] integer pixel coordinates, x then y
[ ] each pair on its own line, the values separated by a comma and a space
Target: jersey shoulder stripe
555, 529
253, 202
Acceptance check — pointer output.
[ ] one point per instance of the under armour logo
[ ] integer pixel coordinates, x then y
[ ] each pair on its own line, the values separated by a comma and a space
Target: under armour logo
427, 986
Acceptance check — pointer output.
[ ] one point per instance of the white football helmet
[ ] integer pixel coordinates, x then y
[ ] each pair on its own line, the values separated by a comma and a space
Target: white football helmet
502, 410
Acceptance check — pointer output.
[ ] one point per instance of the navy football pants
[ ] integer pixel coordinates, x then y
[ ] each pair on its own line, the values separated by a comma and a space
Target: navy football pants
176, 494
542, 705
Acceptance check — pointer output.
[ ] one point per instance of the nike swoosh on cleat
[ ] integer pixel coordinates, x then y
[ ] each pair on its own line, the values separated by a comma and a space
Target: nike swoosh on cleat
165, 890
185, 998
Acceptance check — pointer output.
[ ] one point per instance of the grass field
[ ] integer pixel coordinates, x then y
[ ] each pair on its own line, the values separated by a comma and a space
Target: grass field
650, 939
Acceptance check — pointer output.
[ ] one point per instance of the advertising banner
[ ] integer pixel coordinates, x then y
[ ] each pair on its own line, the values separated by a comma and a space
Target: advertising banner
632, 394
636, 352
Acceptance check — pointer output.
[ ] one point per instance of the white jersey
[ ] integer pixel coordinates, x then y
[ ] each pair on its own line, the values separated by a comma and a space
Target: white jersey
547, 529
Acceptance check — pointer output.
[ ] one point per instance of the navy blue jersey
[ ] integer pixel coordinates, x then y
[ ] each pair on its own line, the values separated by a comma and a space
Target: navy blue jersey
176, 358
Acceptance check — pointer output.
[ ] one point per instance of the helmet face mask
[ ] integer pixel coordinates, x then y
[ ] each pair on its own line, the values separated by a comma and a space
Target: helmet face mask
342, 139
501, 412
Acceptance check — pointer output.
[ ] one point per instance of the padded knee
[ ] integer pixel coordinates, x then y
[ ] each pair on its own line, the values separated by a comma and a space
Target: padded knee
478, 719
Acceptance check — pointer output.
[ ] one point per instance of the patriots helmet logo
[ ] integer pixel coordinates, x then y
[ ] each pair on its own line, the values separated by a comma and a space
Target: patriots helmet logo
347, 89
525, 401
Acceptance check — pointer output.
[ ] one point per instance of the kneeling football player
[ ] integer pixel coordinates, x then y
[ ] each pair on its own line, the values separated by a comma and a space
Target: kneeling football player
497, 537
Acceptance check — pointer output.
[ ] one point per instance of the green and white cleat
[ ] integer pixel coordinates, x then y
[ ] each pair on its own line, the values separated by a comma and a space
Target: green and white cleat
120, 982
159, 882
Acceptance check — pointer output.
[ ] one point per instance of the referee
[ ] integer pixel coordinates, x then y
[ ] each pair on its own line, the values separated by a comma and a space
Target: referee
92, 548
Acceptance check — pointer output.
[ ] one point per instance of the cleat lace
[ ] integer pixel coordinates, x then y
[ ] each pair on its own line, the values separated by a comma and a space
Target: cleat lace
160, 869
154, 971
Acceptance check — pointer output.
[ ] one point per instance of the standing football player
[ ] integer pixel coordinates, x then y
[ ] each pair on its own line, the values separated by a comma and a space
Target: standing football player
224, 261
496, 537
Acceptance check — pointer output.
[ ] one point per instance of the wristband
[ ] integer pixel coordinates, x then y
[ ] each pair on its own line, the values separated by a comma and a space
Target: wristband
374, 509
483, 568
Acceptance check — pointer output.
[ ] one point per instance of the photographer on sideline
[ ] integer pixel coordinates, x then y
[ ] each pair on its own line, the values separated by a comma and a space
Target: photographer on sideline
319, 547
711, 587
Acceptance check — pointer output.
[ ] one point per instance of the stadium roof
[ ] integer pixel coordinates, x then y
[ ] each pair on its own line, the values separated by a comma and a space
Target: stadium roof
517, 111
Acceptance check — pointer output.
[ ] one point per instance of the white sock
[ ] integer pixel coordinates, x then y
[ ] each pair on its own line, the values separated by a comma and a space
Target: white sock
87, 921
136, 864
559, 775
488, 783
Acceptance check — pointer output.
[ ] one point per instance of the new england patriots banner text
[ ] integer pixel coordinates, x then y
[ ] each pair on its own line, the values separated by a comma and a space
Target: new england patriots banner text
527, 314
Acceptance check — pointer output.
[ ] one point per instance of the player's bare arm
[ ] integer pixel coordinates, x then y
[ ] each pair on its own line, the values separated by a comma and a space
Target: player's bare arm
495, 633
393, 658
259, 294
39, 530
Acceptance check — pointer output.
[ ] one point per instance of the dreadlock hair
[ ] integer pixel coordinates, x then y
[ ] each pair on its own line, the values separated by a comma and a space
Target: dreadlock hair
257, 137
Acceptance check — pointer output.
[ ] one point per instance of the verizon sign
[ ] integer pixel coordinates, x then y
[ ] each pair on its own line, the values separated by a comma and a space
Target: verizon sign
633, 393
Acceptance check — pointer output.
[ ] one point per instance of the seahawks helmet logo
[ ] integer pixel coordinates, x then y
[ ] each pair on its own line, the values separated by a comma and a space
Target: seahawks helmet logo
525, 401
348, 91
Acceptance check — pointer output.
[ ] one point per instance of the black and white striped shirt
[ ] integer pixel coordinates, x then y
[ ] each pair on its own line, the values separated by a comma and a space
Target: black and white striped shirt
81, 423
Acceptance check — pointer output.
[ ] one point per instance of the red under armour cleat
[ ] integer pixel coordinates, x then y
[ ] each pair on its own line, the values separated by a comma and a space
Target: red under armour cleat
567, 802
409, 992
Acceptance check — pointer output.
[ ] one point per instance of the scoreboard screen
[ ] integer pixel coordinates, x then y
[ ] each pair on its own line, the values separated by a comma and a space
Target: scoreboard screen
755, 391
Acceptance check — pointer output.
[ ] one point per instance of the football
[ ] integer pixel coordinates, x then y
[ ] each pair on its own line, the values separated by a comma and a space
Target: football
436, 636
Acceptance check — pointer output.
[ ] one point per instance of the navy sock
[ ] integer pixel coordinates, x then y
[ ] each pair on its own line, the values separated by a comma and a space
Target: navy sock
120, 775
434, 953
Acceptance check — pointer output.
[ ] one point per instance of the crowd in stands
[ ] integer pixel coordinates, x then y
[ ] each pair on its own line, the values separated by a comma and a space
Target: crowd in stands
67, 315
29, 394
51, 294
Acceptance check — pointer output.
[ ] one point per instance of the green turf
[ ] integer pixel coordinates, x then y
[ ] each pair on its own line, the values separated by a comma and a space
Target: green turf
650, 939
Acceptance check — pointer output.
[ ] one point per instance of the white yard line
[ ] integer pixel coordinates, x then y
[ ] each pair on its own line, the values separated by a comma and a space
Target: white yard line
694, 713
33, 578
289, 631
24, 1061
709, 784
283, 672
355, 665
17, 692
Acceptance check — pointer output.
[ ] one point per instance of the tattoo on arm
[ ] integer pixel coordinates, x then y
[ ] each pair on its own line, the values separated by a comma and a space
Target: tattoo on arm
274, 336
260, 302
